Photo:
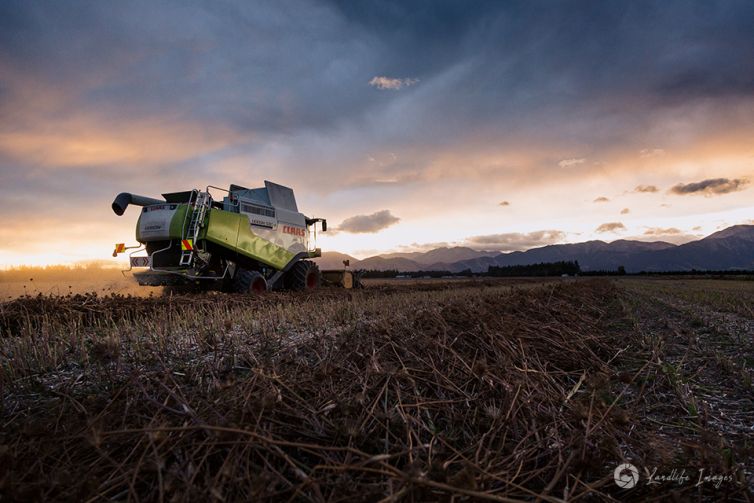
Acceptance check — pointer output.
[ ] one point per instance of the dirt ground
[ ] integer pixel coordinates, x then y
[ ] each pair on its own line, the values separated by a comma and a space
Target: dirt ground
453, 390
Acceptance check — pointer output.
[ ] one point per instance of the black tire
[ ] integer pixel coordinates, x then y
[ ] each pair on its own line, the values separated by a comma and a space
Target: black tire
304, 275
246, 281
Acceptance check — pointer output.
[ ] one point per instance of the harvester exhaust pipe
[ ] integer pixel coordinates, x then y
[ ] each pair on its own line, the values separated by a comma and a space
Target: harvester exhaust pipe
123, 199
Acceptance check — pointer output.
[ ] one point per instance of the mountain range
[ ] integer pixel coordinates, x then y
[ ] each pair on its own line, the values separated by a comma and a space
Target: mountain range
730, 248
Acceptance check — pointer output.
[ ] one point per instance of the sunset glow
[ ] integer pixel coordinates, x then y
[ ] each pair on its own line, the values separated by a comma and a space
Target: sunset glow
434, 116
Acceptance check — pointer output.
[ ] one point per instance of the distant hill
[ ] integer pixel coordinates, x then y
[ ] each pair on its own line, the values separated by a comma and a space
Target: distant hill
442, 255
415, 261
745, 232
731, 248
379, 263
591, 255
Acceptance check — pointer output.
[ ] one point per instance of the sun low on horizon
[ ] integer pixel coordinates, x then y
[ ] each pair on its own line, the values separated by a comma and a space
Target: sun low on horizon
499, 126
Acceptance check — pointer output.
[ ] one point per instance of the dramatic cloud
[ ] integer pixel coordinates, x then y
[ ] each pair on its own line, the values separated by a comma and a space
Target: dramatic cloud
667, 234
504, 203
710, 187
87, 142
431, 109
659, 231
515, 241
625, 211
646, 188
363, 224
611, 227
567, 163
601, 199
391, 83
419, 247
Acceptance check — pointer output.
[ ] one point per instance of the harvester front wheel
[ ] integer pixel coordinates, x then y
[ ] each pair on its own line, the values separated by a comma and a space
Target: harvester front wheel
246, 281
304, 275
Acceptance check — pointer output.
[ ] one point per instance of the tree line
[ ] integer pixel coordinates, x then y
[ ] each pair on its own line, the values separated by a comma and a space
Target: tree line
566, 267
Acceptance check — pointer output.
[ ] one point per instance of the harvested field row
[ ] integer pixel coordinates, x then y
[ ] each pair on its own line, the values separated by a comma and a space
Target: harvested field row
479, 392
28, 314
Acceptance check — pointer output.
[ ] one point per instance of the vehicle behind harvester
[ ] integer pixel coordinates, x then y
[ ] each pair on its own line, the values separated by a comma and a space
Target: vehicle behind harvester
251, 241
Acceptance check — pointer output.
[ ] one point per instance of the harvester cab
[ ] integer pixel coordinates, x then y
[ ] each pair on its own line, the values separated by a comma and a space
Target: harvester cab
251, 240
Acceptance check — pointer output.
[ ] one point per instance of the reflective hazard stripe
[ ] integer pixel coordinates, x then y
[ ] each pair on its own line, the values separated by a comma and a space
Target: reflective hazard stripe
187, 245
120, 248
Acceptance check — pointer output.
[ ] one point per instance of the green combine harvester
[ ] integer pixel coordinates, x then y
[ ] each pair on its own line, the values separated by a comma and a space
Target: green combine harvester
251, 241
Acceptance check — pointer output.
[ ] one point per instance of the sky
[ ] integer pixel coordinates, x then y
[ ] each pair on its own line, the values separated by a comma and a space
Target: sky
407, 124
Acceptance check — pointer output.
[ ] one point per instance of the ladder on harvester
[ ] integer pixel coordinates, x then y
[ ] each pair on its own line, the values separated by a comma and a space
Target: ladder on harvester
191, 234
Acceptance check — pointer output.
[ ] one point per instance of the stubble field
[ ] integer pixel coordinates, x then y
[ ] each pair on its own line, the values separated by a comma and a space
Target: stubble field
422, 391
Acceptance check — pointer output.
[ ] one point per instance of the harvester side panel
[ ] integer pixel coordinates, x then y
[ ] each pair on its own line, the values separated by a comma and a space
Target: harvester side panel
231, 231
289, 231
180, 220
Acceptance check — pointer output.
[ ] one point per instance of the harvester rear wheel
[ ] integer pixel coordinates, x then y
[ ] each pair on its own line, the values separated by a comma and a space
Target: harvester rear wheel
304, 275
246, 281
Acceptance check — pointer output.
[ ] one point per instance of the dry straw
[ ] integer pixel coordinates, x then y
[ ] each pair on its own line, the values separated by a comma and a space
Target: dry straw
460, 392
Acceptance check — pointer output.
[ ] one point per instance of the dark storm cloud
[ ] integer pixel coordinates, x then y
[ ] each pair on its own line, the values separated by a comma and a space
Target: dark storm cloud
287, 83
420, 37
711, 187
361, 224
257, 69
284, 66
519, 55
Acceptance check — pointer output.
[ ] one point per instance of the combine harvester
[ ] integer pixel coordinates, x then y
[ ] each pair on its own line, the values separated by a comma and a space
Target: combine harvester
252, 241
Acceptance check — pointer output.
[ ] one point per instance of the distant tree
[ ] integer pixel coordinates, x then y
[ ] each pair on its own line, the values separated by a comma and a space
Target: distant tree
621, 270
541, 269
372, 273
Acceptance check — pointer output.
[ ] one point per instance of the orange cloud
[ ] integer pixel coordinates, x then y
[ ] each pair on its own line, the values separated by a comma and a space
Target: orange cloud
611, 227
368, 223
89, 142
646, 188
658, 231
512, 241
